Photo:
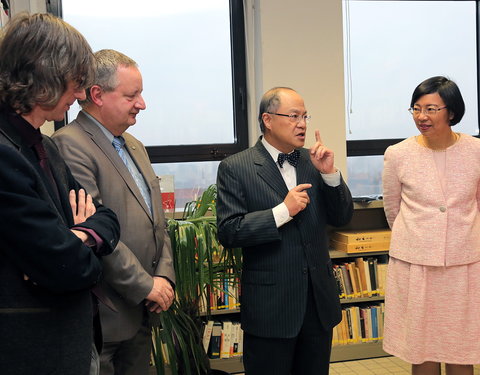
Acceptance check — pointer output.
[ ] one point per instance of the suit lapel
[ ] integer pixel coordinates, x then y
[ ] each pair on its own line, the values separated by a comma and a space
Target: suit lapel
107, 148
268, 170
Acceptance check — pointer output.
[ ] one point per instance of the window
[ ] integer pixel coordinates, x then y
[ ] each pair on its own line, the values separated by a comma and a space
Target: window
390, 47
192, 58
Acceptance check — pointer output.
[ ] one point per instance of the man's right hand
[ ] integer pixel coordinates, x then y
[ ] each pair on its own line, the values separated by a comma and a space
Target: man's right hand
297, 199
161, 296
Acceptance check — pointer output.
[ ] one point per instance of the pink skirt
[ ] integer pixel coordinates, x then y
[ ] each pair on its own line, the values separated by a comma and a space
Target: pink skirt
433, 313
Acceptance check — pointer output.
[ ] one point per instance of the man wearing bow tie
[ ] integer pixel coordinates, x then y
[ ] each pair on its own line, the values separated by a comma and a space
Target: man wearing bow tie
275, 200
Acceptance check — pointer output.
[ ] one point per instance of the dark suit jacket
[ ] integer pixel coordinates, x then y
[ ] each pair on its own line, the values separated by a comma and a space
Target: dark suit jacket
144, 248
46, 321
278, 261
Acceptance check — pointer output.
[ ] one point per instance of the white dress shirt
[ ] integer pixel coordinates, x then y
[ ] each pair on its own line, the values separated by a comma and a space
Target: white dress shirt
289, 174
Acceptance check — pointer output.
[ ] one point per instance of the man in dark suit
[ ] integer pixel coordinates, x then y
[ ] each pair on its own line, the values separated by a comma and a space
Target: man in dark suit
140, 271
52, 234
277, 211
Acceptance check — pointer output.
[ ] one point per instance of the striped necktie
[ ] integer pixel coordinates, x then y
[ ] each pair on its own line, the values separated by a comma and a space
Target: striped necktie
118, 143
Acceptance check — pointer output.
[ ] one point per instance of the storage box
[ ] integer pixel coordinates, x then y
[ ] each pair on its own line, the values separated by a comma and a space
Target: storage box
374, 235
360, 247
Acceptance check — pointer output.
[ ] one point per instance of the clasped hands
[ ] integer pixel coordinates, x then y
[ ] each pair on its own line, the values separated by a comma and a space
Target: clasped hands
322, 159
162, 294
82, 209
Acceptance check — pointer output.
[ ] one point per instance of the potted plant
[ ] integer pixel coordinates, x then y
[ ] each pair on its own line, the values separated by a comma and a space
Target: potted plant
199, 261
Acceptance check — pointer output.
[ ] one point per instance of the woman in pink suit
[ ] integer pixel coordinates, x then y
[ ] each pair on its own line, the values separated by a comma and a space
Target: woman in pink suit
431, 192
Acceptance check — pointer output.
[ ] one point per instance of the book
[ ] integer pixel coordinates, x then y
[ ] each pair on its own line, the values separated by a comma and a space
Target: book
368, 324
356, 324
348, 313
382, 277
226, 339
380, 316
360, 247
344, 329
240, 340
214, 350
368, 279
371, 269
352, 236
207, 334
353, 279
363, 326
346, 279
234, 339
337, 272
359, 262
373, 313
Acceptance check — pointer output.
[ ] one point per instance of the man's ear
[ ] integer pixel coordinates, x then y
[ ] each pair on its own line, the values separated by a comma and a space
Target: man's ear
267, 120
96, 93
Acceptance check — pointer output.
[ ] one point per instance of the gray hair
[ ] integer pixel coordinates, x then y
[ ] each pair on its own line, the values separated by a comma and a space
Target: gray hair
107, 63
270, 103
39, 55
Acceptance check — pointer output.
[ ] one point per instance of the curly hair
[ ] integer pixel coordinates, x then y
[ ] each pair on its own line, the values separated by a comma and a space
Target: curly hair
39, 55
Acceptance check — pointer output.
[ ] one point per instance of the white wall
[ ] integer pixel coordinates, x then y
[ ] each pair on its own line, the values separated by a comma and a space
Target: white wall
31, 6
299, 43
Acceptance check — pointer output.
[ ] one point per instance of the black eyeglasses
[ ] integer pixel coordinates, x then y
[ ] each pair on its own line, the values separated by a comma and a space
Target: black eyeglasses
294, 118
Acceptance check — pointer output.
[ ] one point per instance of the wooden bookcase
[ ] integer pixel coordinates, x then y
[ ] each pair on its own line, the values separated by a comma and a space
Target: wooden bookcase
366, 216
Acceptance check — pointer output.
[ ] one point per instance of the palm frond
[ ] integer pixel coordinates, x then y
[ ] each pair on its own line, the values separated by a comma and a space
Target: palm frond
199, 261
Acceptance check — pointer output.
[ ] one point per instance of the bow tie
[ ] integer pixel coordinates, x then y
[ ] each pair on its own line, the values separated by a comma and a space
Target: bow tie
292, 158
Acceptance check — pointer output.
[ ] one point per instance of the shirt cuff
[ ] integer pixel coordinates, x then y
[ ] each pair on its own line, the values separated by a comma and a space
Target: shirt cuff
94, 241
332, 179
281, 214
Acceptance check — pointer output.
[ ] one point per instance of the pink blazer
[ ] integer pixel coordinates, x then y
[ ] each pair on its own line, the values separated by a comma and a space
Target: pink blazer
429, 226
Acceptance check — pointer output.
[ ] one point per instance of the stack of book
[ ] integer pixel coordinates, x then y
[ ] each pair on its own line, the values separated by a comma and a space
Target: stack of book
223, 339
361, 242
224, 294
359, 324
364, 277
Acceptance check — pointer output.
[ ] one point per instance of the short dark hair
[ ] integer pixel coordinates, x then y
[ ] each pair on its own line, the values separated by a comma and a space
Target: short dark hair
448, 91
39, 55
270, 103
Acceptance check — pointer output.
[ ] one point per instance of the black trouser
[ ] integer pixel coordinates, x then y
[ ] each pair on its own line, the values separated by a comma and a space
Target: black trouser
306, 354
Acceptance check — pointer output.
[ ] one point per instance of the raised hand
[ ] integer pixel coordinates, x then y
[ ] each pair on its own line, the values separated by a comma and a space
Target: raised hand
322, 157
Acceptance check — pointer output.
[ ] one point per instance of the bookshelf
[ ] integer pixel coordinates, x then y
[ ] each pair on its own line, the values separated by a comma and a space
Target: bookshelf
366, 216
